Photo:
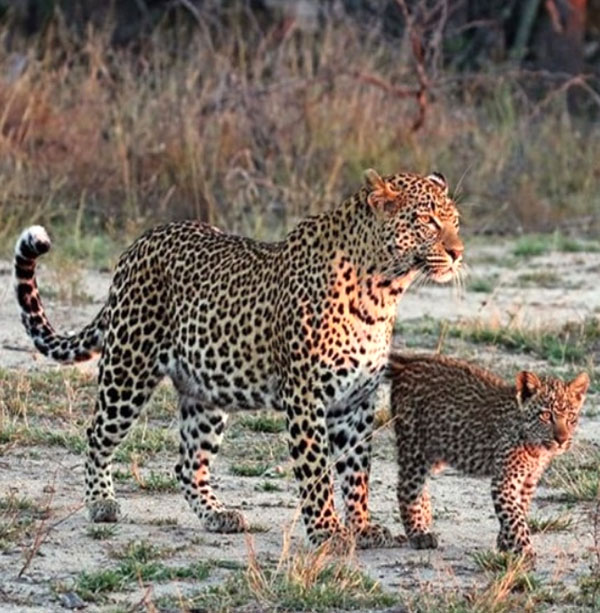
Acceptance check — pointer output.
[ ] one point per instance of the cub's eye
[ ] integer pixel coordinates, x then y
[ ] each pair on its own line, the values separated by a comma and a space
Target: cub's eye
546, 416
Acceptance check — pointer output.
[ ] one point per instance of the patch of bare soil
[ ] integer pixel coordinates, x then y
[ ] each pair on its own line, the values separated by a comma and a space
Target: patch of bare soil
464, 519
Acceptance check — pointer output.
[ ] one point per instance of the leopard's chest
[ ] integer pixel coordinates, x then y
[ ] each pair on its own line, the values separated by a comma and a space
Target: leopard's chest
352, 352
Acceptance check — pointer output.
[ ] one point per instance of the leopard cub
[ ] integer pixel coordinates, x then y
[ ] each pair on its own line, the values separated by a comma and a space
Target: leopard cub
451, 412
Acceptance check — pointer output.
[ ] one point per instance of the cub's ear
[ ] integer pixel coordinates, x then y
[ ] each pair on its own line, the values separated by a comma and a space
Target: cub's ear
579, 385
440, 180
373, 180
528, 384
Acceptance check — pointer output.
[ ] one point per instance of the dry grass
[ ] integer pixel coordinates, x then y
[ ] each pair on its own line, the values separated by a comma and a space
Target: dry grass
301, 581
252, 129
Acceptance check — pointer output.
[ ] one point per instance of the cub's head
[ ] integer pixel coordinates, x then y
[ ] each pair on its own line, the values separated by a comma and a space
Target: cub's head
550, 408
418, 224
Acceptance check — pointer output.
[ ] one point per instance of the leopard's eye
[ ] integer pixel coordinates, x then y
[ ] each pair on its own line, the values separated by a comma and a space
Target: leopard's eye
429, 220
546, 416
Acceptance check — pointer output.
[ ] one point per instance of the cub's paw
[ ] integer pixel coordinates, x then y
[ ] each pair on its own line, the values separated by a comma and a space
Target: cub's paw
226, 522
374, 536
424, 540
528, 557
105, 510
522, 552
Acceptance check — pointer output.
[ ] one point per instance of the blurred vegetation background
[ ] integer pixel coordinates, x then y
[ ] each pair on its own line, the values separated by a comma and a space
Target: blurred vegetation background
249, 114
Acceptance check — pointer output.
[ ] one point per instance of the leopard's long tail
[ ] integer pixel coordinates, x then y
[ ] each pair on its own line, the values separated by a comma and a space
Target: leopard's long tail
79, 347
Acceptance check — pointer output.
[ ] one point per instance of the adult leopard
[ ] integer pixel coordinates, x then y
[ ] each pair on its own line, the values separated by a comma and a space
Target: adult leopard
301, 326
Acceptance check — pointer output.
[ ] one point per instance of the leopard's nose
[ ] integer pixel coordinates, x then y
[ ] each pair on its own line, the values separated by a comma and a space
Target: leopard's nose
455, 252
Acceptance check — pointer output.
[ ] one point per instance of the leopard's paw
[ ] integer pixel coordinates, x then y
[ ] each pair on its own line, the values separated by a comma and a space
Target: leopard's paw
104, 510
423, 540
374, 536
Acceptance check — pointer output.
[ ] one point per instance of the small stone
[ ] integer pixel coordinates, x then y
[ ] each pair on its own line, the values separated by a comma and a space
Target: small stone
72, 600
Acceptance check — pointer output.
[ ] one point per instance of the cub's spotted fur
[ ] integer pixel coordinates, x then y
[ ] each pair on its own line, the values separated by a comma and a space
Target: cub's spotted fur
451, 412
301, 326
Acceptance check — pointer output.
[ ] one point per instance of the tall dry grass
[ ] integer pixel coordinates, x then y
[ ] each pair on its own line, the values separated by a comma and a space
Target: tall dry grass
252, 130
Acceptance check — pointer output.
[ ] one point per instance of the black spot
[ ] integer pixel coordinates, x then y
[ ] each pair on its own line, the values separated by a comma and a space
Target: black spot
23, 291
139, 400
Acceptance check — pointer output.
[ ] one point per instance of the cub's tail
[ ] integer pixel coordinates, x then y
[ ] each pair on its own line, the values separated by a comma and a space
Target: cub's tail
84, 345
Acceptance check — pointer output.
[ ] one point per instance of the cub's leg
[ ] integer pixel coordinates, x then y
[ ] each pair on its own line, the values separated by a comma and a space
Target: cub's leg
413, 498
122, 392
201, 433
529, 486
349, 432
508, 484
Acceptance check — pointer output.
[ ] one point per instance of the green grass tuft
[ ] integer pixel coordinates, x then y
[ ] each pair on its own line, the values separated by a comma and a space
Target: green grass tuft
481, 284
249, 469
158, 482
267, 486
542, 525
540, 278
144, 442
17, 516
138, 562
102, 532
577, 473
272, 424
540, 244
530, 246
494, 561
327, 587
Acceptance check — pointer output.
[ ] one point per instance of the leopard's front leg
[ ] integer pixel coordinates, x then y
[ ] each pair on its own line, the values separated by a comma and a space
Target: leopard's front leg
309, 450
350, 430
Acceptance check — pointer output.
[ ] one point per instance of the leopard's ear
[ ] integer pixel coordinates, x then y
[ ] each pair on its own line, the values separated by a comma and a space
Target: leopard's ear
579, 386
440, 180
373, 180
382, 198
528, 383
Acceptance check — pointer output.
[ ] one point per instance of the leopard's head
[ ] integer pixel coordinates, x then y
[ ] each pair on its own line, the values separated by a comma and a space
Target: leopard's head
551, 408
418, 224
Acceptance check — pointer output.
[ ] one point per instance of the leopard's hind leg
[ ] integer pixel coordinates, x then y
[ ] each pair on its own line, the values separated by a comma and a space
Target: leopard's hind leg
127, 378
201, 431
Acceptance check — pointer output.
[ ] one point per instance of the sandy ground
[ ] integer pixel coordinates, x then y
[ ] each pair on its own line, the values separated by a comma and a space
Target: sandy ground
464, 517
